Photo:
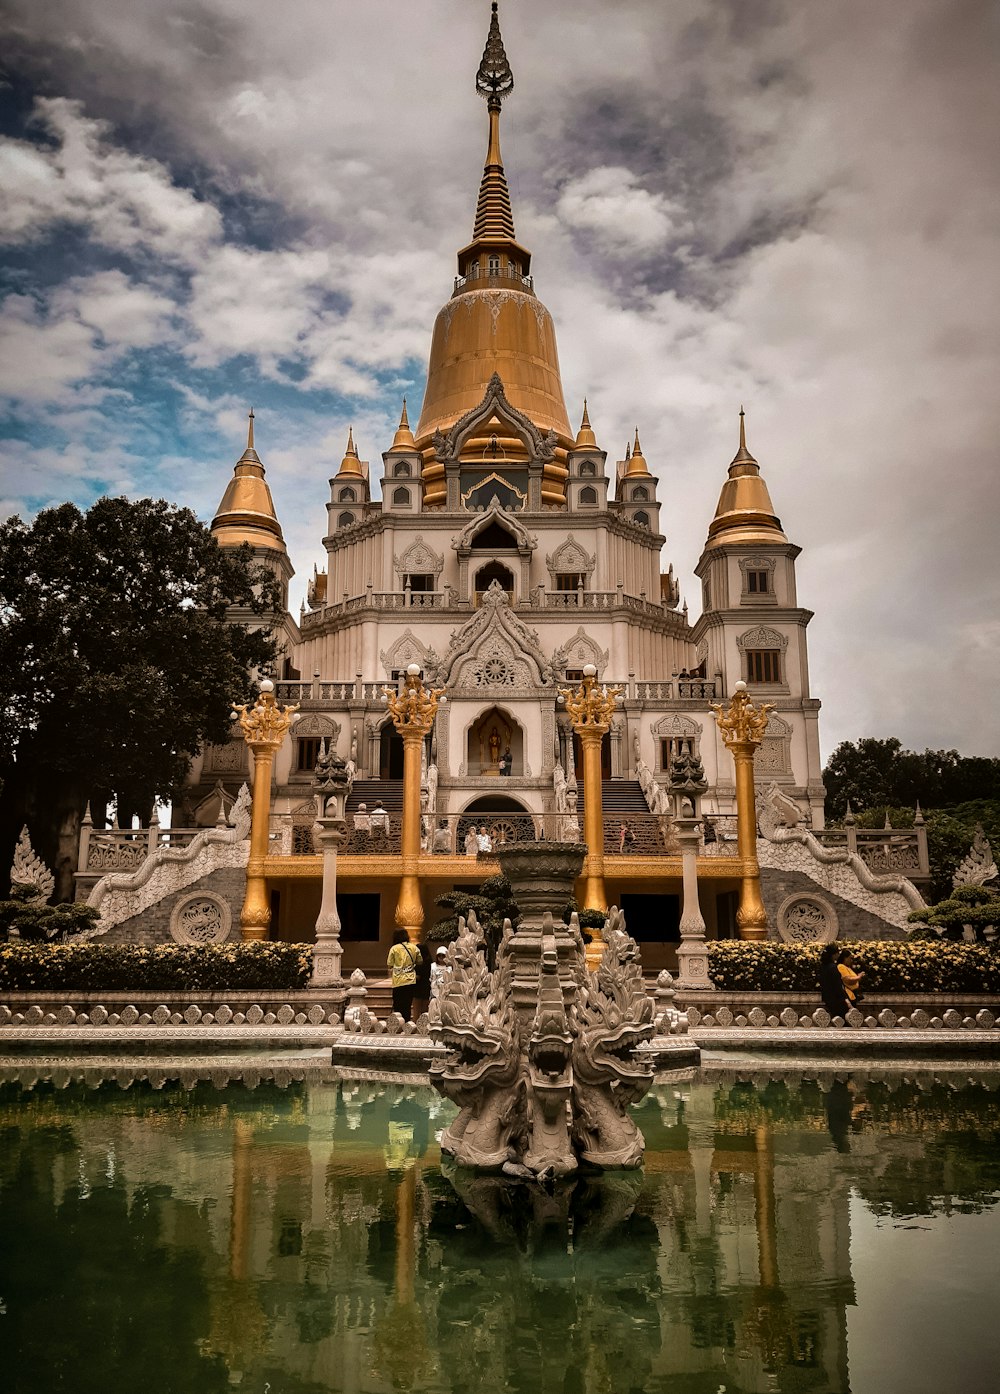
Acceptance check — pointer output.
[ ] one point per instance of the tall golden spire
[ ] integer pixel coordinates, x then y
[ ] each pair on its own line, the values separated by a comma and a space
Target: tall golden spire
246, 513
745, 512
494, 82
350, 464
502, 327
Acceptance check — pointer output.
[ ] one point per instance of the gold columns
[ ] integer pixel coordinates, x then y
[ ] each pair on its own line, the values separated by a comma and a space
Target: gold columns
412, 711
590, 708
742, 728
265, 726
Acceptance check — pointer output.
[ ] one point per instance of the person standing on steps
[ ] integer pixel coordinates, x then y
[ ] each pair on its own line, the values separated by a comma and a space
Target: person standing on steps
402, 963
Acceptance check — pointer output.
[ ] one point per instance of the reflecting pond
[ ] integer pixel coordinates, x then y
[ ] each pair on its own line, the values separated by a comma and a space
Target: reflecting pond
803, 1232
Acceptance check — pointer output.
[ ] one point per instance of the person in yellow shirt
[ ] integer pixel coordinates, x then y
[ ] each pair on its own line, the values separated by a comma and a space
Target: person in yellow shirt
851, 978
402, 964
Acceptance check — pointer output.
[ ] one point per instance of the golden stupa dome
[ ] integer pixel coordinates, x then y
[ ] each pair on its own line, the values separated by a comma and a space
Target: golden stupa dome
246, 513
494, 323
745, 512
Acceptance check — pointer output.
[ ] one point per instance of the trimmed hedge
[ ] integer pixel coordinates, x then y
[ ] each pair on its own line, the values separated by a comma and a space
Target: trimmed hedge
740, 966
153, 968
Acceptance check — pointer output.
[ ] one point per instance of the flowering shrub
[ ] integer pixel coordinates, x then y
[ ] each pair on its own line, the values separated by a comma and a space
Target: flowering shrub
153, 967
888, 966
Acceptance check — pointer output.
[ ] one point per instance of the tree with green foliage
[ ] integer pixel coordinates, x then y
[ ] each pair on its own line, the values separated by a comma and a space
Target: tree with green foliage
493, 903
970, 912
877, 773
117, 661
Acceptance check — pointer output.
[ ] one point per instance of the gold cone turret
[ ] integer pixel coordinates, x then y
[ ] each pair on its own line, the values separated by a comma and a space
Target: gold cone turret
403, 439
494, 323
745, 512
246, 513
585, 438
636, 461
350, 464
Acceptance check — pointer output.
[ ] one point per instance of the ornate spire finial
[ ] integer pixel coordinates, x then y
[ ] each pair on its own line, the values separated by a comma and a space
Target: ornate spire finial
403, 439
494, 80
743, 456
350, 464
250, 431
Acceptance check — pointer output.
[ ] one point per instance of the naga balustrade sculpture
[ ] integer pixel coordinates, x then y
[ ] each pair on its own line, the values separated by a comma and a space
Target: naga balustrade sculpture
541, 1091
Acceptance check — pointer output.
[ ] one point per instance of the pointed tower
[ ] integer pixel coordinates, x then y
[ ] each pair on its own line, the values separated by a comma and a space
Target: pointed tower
350, 492
752, 627
247, 514
587, 485
400, 484
635, 490
494, 324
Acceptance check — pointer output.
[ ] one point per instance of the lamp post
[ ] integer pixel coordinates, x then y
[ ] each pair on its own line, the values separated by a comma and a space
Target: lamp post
331, 784
742, 728
687, 784
265, 726
412, 711
590, 708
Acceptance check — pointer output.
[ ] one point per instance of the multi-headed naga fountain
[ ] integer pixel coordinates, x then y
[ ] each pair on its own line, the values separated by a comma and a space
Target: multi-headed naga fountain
543, 1055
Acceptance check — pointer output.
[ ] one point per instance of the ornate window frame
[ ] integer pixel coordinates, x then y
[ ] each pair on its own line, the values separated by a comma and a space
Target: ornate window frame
569, 558
764, 639
774, 754
757, 597
675, 727
417, 560
588, 497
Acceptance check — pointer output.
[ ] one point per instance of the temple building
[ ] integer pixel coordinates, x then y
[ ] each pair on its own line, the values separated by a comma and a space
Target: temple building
501, 553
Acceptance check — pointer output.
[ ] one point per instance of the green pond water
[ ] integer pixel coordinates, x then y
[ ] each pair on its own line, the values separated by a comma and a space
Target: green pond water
798, 1232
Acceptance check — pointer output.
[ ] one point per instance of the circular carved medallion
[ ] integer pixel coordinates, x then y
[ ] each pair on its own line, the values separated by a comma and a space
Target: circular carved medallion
201, 918
807, 919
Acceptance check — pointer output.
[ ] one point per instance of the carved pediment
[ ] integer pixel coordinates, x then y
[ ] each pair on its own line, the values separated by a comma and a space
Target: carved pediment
418, 559
406, 650
447, 446
762, 637
674, 724
313, 725
494, 514
578, 651
494, 648
570, 556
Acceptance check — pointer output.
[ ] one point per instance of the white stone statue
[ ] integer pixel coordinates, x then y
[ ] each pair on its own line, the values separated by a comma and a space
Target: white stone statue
978, 866
431, 786
559, 786
352, 762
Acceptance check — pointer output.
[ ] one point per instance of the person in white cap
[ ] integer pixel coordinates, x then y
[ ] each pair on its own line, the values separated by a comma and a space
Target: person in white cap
439, 970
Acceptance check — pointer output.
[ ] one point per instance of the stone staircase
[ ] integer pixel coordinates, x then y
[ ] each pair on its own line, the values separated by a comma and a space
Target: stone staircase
623, 801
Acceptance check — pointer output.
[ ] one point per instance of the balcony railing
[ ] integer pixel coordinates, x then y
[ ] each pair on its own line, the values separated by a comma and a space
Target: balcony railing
492, 280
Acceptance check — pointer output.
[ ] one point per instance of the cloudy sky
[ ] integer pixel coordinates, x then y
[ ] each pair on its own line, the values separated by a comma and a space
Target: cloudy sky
792, 204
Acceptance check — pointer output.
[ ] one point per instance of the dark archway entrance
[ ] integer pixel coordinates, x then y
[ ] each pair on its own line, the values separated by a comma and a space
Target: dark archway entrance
390, 753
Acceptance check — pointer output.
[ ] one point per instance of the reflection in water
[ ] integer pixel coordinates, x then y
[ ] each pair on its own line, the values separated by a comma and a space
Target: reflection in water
307, 1238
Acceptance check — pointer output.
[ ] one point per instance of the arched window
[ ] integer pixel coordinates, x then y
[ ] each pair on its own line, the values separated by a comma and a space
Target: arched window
493, 266
640, 493
400, 498
347, 496
401, 469
588, 495
494, 571
345, 520
588, 470
641, 520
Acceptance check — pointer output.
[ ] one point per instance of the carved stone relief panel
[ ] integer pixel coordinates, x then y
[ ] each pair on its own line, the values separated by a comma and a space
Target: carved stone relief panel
570, 556
774, 752
807, 919
201, 918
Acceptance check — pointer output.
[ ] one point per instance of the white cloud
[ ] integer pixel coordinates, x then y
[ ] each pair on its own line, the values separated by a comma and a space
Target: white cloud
610, 203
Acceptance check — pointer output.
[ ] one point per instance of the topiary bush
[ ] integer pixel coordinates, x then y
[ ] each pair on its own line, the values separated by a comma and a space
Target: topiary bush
888, 966
37, 922
153, 967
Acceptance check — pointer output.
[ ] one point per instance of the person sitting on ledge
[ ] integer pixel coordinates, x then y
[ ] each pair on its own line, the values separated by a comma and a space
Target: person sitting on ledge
506, 763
